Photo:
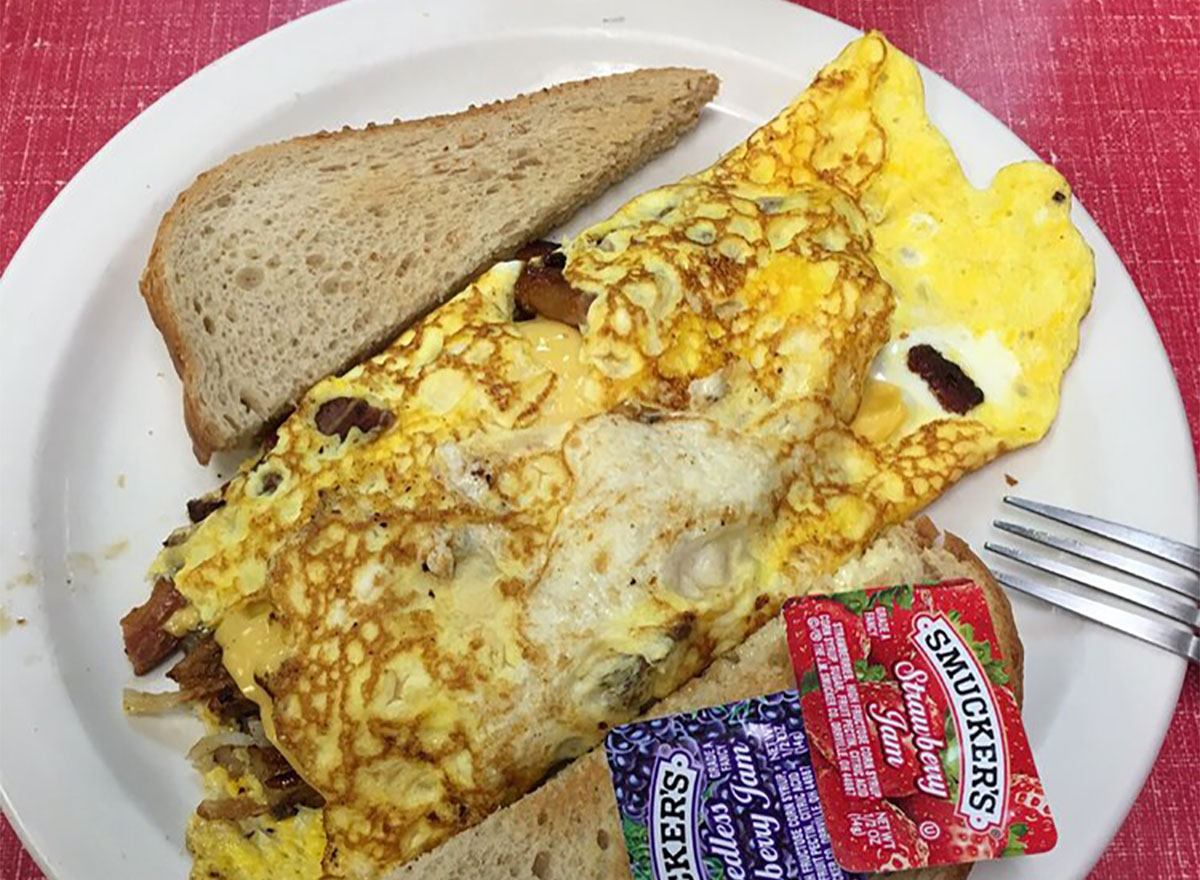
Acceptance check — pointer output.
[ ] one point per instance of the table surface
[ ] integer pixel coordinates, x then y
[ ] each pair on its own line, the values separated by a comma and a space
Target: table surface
1107, 90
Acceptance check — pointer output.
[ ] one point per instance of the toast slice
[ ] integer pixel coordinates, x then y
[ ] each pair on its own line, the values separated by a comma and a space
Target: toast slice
568, 829
296, 260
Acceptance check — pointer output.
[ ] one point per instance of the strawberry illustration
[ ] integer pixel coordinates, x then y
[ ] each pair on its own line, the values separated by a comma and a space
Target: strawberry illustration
949, 837
816, 725
911, 850
857, 642
1032, 828
1020, 758
867, 834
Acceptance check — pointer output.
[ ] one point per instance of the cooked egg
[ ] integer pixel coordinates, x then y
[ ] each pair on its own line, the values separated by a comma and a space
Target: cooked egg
254, 849
483, 547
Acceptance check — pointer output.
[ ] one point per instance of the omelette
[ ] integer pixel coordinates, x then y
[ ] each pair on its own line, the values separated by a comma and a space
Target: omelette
461, 562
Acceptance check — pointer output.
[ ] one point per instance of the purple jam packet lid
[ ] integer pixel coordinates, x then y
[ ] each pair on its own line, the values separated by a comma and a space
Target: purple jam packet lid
722, 793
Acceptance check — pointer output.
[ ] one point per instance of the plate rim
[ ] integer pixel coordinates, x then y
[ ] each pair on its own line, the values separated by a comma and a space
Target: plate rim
182, 92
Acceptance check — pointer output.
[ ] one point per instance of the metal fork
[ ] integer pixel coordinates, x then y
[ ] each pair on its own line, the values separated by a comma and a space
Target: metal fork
1175, 602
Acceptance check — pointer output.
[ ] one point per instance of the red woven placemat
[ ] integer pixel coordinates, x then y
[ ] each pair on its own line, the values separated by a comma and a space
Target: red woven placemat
1107, 91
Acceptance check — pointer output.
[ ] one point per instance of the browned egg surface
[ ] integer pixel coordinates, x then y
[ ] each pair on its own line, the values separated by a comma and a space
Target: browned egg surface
536, 531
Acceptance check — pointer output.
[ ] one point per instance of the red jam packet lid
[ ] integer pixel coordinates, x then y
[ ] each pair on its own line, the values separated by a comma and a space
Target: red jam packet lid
920, 754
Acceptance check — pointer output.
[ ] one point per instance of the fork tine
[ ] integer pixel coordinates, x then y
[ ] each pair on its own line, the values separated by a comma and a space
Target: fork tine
1168, 636
1182, 582
1174, 607
1148, 542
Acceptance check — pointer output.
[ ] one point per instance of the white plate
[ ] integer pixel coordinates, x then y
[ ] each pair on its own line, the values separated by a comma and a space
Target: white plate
95, 453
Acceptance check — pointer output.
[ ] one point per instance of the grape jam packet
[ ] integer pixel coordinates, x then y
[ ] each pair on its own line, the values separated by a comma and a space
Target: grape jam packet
917, 742
724, 793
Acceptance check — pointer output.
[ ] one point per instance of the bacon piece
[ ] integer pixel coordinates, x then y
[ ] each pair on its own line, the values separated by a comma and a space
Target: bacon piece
202, 677
300, 795
270, 482
952, 387
147, 644
536, 248
230, 808
200, 670
542, 289
272, 435
339, 414
285, 790
199, 508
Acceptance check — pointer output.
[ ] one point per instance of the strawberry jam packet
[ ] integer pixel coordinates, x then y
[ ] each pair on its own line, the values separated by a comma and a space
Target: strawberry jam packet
917, 742
723, 793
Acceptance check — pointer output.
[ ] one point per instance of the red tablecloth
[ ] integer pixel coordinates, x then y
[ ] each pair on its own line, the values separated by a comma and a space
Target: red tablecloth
1107, 91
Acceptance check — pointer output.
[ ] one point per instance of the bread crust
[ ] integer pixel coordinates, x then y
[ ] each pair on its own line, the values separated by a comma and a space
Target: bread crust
556, 832
207, 435
154, 291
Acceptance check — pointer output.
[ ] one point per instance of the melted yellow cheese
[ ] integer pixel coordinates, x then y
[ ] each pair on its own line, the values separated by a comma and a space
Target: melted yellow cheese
558, 348
252, 647
881, 412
